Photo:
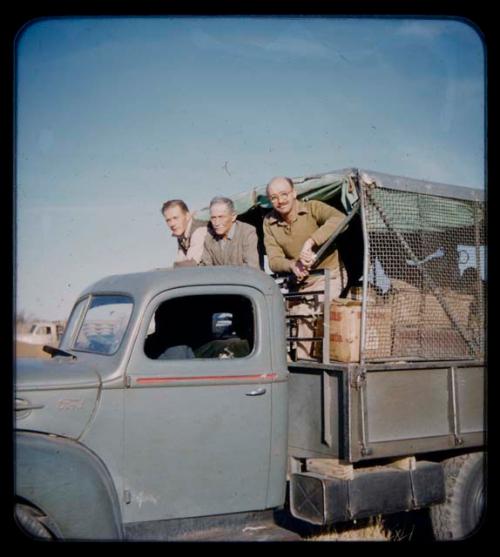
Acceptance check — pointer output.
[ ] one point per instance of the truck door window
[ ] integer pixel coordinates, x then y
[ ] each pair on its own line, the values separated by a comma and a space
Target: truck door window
212, 326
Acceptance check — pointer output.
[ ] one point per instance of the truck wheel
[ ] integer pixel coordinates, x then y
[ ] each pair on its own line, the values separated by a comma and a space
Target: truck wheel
30, 520
464, 506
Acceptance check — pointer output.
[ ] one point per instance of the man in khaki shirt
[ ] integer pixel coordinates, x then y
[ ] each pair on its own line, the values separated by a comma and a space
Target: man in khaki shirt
293, 231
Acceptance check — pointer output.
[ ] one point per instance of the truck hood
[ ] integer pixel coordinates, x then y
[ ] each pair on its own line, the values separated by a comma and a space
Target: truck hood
56, 396
56, 373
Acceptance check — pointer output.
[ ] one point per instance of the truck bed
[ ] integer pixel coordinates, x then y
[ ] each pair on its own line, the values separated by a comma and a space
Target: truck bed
391, 409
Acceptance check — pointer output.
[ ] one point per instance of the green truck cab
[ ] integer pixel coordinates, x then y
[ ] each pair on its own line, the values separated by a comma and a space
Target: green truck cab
173, 405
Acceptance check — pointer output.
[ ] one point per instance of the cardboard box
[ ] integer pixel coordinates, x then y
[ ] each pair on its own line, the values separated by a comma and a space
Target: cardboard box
345, 326
345, 330
406, 303
437, 344
378, 341
457, 304
412, 307
407, 342
408, 324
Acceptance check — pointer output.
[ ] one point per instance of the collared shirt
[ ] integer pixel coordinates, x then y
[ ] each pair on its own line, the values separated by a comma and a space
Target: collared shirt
229, 236
284, 241
238, 248
190, 244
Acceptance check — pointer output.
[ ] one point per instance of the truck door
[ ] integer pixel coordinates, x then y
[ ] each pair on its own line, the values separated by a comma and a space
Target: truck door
198, 406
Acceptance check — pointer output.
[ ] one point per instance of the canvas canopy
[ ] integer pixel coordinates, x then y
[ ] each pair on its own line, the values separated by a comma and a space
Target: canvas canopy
322, 187
412, 205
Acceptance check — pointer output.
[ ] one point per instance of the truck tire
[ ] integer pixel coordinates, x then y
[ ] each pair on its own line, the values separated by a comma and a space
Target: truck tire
30, 521
461, 513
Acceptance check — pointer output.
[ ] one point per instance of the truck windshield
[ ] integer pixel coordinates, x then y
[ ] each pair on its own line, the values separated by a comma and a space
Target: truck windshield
104, 324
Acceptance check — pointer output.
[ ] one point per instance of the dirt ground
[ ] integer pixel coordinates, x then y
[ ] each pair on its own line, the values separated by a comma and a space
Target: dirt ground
25, 350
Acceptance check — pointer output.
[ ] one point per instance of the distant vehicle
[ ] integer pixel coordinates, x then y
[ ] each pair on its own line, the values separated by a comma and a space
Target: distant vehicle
43, 332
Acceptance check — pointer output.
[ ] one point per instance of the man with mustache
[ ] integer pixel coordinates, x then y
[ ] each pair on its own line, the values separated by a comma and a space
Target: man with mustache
293, 231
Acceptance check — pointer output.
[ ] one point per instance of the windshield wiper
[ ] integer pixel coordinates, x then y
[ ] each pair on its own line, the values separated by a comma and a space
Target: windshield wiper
57, 351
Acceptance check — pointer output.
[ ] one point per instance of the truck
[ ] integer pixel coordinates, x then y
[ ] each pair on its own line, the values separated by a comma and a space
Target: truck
189, 416
42, 332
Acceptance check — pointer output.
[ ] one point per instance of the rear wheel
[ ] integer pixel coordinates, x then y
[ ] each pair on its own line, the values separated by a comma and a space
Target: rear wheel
461, 513
31, 521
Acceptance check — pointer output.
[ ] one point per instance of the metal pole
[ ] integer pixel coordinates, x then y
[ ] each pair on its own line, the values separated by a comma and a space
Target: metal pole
366, 263
326, 319
453, 406
340, 228
479, 285
327, 405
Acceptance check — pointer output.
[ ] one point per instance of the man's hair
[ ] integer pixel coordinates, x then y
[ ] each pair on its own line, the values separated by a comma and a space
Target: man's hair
223, 201
289, 180
174, 203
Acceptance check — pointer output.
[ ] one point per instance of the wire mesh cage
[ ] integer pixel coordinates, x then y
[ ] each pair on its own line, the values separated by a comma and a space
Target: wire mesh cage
426, 289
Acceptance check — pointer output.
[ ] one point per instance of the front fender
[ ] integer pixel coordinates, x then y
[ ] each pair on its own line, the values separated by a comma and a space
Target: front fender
70, 484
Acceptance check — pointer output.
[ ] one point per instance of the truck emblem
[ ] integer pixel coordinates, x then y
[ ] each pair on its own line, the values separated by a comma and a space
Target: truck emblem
70, 404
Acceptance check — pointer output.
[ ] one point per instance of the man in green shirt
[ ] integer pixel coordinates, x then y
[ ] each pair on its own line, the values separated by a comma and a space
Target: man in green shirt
293, 232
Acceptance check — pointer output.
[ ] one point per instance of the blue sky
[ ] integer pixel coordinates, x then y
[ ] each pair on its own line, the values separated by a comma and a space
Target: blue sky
117, 115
